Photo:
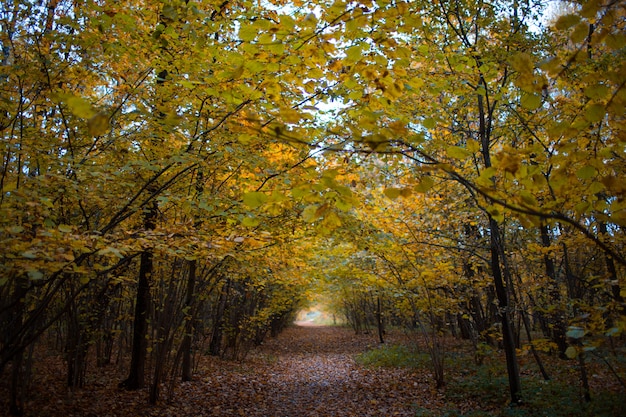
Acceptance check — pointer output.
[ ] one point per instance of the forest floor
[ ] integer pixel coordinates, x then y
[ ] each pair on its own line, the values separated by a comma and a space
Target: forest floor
307, 371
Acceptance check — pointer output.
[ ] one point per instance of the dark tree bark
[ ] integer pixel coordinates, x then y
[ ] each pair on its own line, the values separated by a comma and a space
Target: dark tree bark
215, 345
136, 377
16, 406
379, 320
485, 120
189, 328
508, 340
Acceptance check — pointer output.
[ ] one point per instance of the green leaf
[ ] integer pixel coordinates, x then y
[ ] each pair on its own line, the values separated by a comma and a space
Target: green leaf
343, 205
79, 106
426, 183
522, 63
35, 275
457, 152
392, 193
98, 125
530, 101
254, 199
354, 53
429, 123
595, 113
65, 228
250, 221
586, 172
566, 21
15, 229
169, 12
247, 33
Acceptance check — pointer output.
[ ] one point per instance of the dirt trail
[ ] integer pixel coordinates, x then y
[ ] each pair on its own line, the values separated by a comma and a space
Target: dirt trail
307, 371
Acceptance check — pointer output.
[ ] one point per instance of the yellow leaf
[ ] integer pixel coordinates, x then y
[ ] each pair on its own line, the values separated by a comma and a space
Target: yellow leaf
472, 145
496, 213
343, 205
528, 198
331, 221
571, 352
245, 138
309, 214
615, 41
35, 274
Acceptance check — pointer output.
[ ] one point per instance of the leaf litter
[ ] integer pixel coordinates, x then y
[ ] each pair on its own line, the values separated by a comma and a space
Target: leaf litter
307, 371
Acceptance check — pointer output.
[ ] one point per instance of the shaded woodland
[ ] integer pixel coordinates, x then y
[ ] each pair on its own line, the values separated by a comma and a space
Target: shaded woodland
180, 178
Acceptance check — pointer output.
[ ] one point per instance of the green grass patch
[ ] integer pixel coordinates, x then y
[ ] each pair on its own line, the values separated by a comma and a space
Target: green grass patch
554, 398
394, 356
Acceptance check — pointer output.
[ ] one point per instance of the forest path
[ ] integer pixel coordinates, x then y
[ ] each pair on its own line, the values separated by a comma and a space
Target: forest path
307, 371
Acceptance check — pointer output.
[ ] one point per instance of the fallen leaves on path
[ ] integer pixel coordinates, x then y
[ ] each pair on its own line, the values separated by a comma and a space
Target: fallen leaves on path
310, 371
307, 371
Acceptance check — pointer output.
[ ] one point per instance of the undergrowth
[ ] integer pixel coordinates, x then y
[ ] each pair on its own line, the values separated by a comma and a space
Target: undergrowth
487, 385
394, 356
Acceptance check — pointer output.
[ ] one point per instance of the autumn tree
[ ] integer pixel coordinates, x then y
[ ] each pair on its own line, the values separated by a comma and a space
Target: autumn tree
477, 92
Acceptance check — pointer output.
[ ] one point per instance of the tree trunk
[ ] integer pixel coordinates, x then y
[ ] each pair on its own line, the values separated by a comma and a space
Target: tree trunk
215, 345
136, 375
189, 317
379, 320
515, 385
496, 247
16, 406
